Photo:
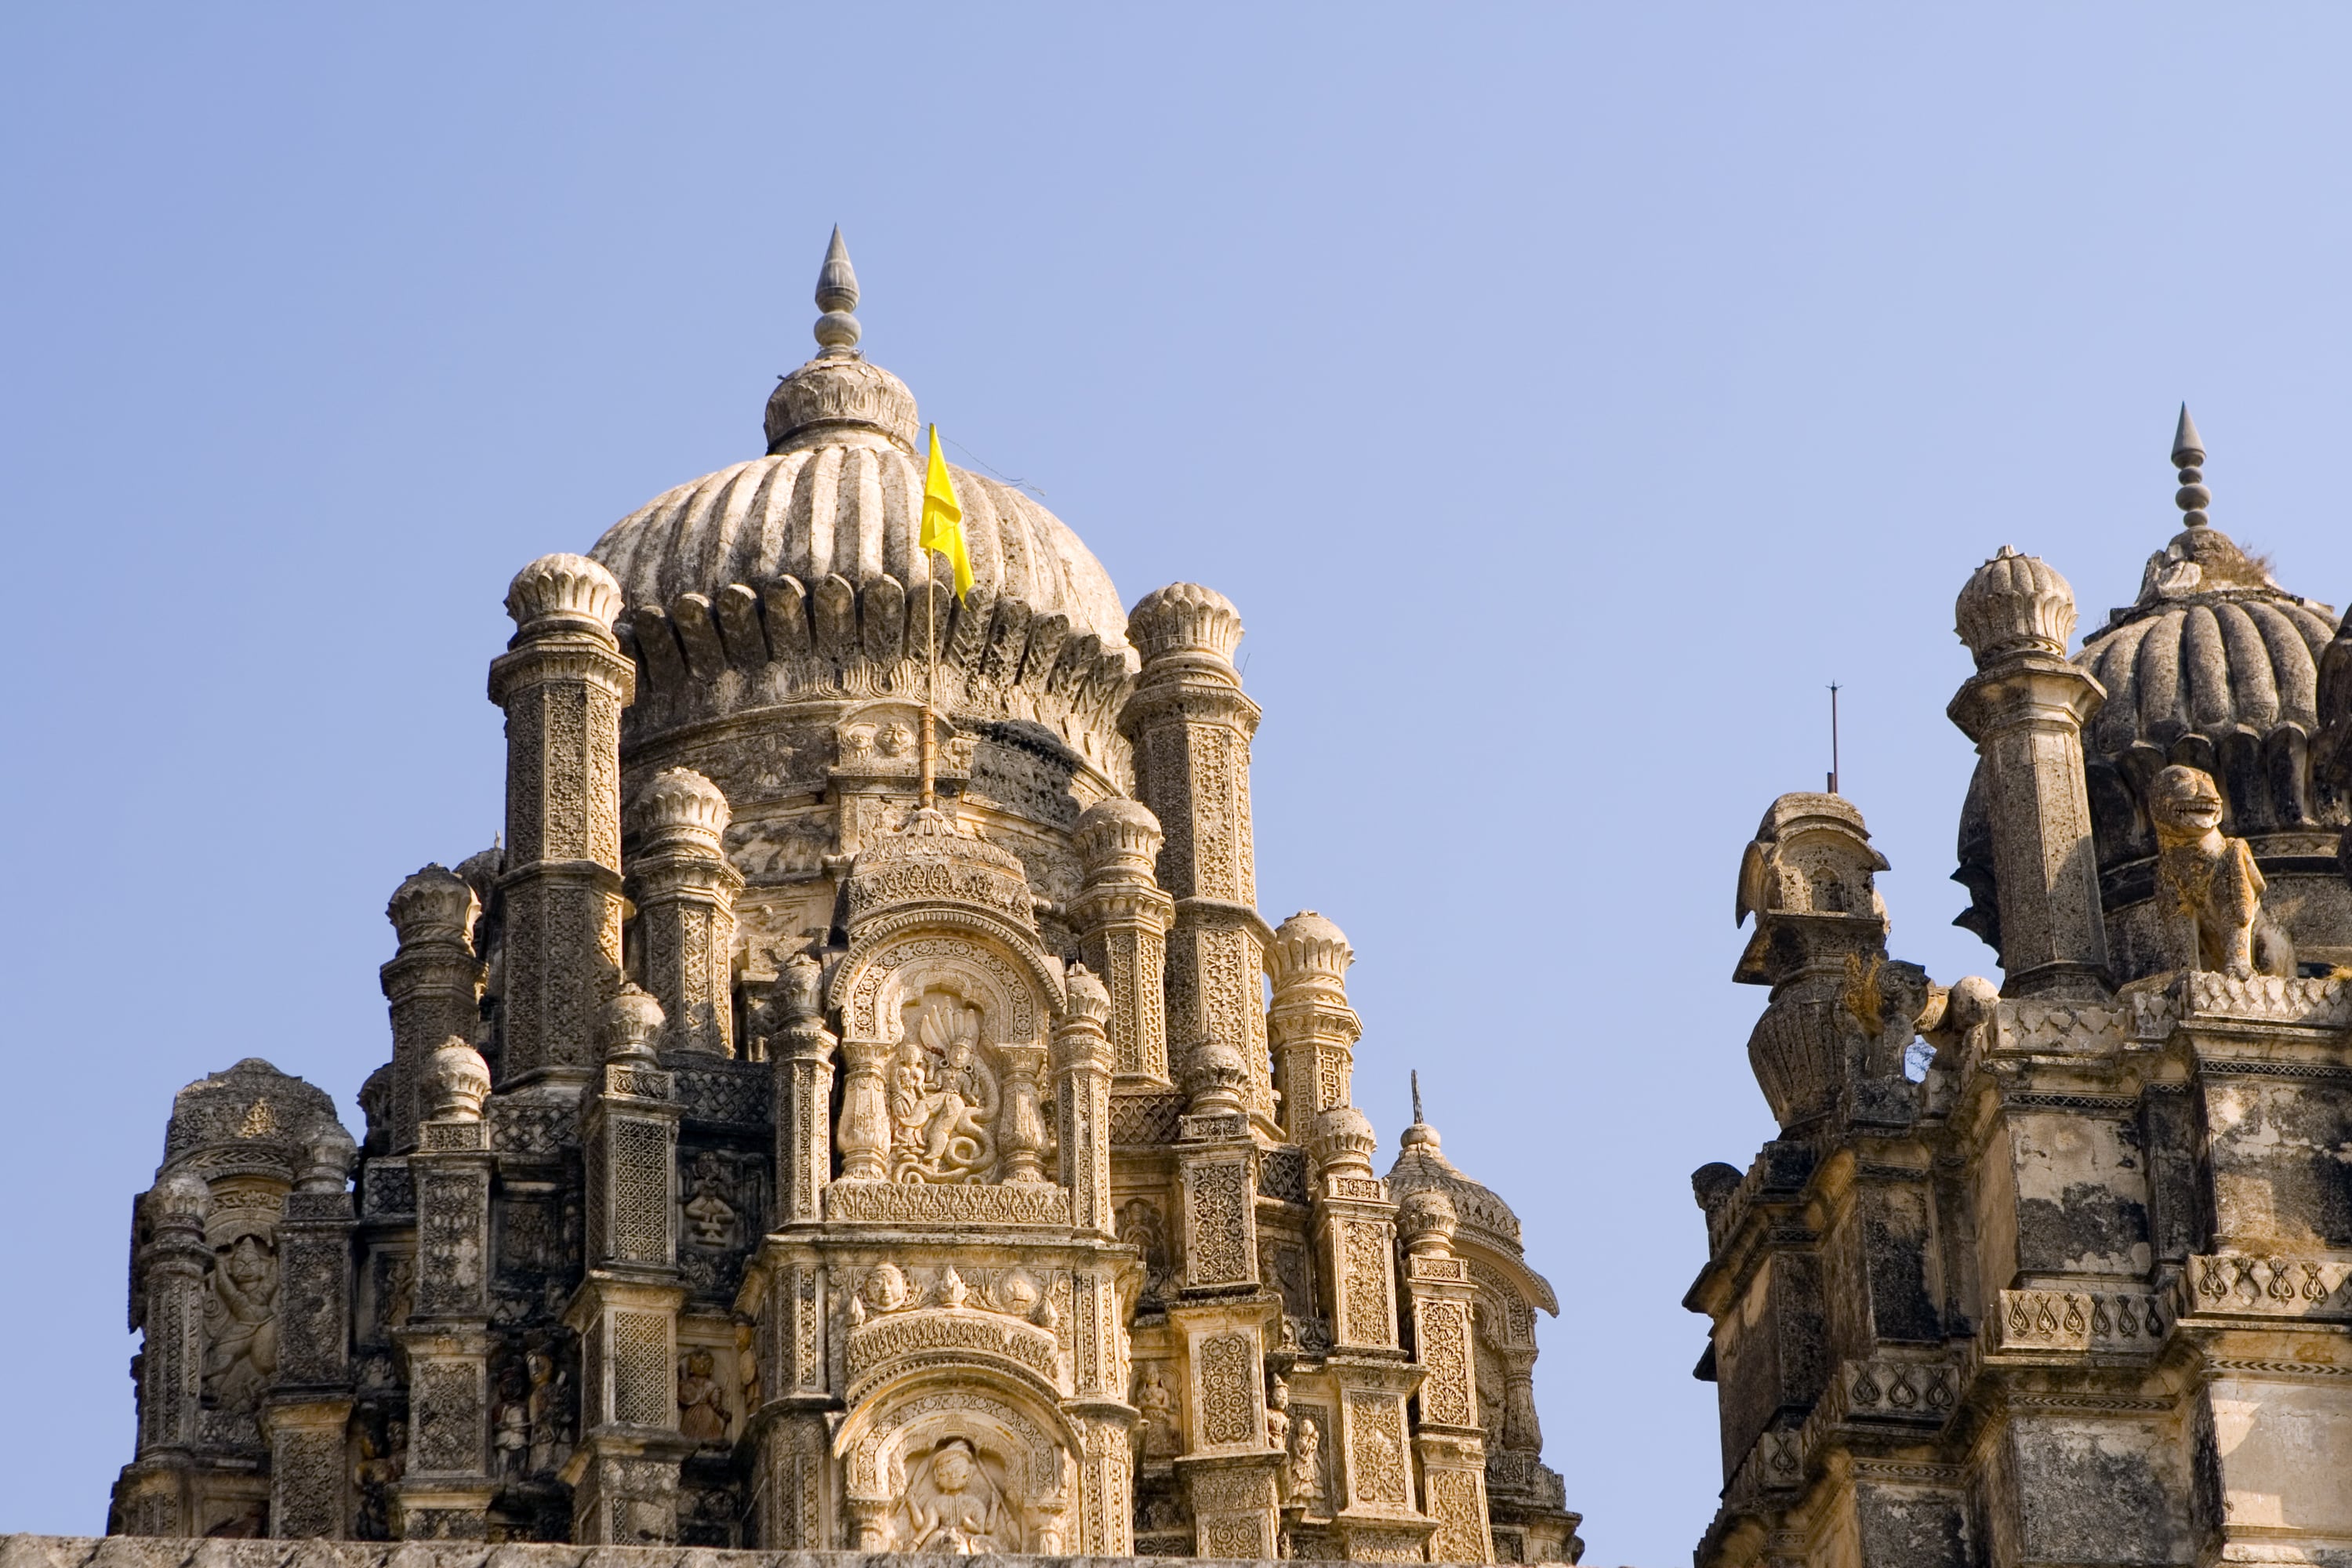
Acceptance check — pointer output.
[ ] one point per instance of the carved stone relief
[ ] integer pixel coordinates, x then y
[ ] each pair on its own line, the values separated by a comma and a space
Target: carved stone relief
241, 1324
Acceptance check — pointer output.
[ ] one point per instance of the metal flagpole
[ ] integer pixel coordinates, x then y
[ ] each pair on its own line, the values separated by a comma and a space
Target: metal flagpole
930, 674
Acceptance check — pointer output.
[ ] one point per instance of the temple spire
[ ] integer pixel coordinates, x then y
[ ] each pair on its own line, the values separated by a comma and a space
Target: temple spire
837, 330
2189, 457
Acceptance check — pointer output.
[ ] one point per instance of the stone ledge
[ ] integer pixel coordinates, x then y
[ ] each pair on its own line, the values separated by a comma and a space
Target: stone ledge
177, 1552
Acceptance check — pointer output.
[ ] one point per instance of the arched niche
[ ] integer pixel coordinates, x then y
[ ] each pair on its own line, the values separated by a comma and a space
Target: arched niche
1017, 990
957, 1461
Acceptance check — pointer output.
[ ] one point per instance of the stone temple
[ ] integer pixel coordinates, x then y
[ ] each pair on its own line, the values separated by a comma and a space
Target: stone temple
769, 1158
2082, 1293
776, 1153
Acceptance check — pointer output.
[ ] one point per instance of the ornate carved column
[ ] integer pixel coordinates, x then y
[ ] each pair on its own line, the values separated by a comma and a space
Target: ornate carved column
865, 1136
434, 983
685, 892
801, 1053
2026, 708
624, 1473
310, 1399
1190, 726
1122, 918
1082, 1077
1221, 1314
1106, 1421
1315, 1031
444, 1492
562, 682
1378, 1518
1447, 1436
1022, 1125
155, 1496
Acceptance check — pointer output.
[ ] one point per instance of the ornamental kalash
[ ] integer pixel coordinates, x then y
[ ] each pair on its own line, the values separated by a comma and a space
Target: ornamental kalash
817, 1126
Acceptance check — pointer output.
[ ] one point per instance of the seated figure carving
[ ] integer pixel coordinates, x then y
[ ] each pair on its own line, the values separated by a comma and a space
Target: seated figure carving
952, 1508
943, 1098
2209, 885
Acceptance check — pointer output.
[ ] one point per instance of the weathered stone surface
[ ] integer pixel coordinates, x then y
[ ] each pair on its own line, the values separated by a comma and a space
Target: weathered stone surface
2079, 1291
768, 1160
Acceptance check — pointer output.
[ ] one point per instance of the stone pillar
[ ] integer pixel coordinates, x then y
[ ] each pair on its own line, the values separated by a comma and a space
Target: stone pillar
1190, 726
1220, 1315
1082, 1077
310, 1398
1122, 918
563, 681
444, 1491
155, 1496
2026, 708
1448, 1437
1314, 1029
434, 983
865, 1136
1376, 1514
685, 892
623, 1472
801, 1056
1104, 1419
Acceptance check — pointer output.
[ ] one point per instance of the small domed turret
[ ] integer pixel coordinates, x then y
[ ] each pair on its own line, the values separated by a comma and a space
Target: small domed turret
2014, 604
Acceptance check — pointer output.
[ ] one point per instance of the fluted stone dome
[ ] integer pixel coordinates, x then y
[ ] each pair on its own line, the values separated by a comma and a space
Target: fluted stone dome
840, 492
2212, 665
1480, 1213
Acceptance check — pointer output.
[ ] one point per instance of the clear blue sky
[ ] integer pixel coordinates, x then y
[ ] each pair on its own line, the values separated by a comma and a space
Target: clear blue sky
1565, 396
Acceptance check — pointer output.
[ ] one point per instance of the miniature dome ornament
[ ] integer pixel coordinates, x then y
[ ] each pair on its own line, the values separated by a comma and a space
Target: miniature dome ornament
562, 592
683, 803
2014, 605
839, 393
631, 1021
456, 1081
435, 904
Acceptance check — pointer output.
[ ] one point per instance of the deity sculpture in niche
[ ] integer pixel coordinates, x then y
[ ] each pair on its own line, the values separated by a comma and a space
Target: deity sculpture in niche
944, 1097
1158, 1428
953, 1506
241, 1324
701, 1401
1306, 1460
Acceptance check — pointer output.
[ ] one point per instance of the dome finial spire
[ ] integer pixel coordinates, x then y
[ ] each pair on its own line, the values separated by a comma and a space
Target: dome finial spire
1416, 1094
837, 295
2189, 457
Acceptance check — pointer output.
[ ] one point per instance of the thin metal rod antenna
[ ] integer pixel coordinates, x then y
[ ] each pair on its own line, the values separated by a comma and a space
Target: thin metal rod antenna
1834, 737
931, 679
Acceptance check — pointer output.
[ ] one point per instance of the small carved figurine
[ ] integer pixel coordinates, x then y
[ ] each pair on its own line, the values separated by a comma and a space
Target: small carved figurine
241, 1325
512, 1438
711, 1219
2210, 886
1306, 1460
951, 1507
1277, 1418
1159, 1408
701, 1403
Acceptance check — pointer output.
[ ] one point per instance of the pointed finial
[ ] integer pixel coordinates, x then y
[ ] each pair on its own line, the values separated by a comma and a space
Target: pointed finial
837, 295
1416, 1094
2189, 457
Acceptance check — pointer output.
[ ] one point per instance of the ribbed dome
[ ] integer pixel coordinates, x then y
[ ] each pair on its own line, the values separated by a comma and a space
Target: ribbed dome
840, 494
2213, 646
2213, 666
850, 504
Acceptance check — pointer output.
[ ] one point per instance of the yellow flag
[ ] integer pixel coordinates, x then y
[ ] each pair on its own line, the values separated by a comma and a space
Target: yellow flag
943, 518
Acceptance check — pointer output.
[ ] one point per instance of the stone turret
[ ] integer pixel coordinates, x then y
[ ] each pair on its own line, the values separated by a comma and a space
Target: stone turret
2026, 708
563, 682
685, 892
434, 983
